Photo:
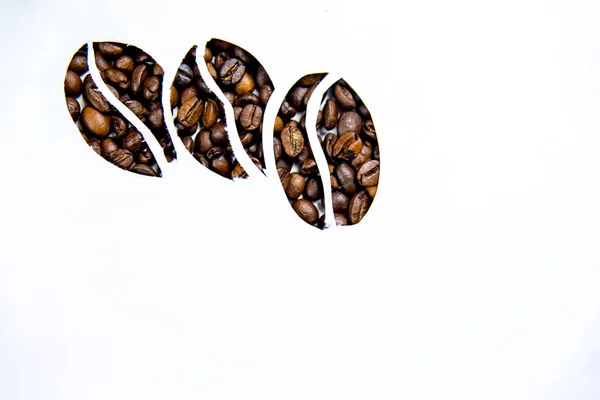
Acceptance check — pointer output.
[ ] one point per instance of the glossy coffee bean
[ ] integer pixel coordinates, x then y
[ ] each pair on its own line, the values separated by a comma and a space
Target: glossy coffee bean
368, 174
349, 121
340, 201
95, 122
73, 107
73, 84
121, 158
232, 71
344, 97
330, 114
306, 210
294, 185
358, 207
292, 140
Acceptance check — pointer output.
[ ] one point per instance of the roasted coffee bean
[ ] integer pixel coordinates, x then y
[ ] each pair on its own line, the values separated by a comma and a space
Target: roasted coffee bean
73, 84
340, 201
218, 161
262, 78
232, 71
142, 169
125, 64
347, 146
306, 210
242, 54
246, 138
79, 64
187, 94
73, 107
369, 129
151, 88
346, 178
328, 144
308, 167
287, 111
294, 186
278, 124
173, 97
101, 62
136, 107
138, 77
330, 114
349, 121
358, 207
245, 85
246, 98
292, 140
368, 174
296, 95
313, 189
190, 112
121, 158
210, 114
119, 126
184, 75
203, 141
344, 97
133, 141
265, 93
251, 117
117, 77
93, 96
95, 122
108, 145
156, 118
157, 70
110, 49
311, 79
365, 155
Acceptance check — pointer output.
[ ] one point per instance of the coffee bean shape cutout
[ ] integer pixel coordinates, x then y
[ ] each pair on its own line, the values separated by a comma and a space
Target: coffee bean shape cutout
294, 157
349, 141
102, 127
199, 117
247, 86
136, 79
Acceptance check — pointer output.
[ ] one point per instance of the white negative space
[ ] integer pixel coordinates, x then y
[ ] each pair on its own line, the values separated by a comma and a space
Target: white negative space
474, 275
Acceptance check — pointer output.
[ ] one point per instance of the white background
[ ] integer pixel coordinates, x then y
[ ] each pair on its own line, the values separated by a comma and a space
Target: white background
474, 276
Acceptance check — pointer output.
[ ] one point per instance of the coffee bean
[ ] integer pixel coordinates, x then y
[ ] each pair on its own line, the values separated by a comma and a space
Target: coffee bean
306, 210
349, 121
344, 97
210, 114
347, 146
133, 141
110, 49
95, 122
346, 178
340, 201
295, 186
142, 169
296, 95
368, 174
73, 84
73, 107
245, 85
125, 64
308, 167
101, 62
121, 158
330, 114
265, 93
79, 64
232, 71
313, 189
93, 96
372, 191
117, 77
138, 77
358, 207
203, 141
151, 88
108, 145
184, 75
119, 126
251, 117
340, 219
292, 140
190, 112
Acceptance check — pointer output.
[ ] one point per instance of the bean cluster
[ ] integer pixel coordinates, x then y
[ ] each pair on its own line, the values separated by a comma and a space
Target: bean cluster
200, 119
294, 157
352, 151
101, 125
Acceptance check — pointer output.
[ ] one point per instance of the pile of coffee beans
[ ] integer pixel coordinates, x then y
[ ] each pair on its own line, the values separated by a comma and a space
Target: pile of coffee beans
101, 125
350, 145
200, 119
248, 88
294, 157
137, 79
